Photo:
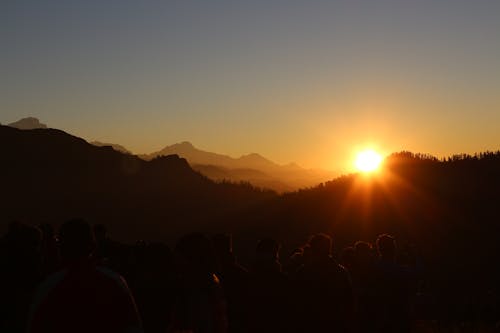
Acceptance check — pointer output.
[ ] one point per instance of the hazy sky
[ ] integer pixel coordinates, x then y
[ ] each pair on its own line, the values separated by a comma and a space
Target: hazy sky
305, 81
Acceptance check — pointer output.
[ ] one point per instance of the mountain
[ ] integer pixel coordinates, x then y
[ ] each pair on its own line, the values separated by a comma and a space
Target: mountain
197, 156
252, 168
444, 215
115, 146
27, 124
49, 175
34, 123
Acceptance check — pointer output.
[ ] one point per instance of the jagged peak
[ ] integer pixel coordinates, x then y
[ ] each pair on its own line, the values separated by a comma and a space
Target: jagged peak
184, 145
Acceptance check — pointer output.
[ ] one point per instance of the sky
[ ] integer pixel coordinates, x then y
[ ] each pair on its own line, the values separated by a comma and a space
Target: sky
310, 82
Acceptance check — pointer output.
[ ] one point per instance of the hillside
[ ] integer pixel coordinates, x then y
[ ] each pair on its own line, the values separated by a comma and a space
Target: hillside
445, 211
50, 175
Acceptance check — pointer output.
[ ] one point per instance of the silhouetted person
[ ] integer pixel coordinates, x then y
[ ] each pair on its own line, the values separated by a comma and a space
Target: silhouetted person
200, 305
20, 273
83, 297
393, 286
50, 253
347, 258
110, 253
235, 282
153, 287
102, 250
363, 280
269, 290
325, 290
295, 261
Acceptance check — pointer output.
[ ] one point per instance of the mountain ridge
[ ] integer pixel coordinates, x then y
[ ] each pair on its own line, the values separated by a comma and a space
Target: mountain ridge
253, 167
59, 176
282, 178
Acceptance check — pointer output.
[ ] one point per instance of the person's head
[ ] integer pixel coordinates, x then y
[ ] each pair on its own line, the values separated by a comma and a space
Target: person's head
307, 254
363, 249
321, 245
268, 249
76, 239
347, 257
386, 246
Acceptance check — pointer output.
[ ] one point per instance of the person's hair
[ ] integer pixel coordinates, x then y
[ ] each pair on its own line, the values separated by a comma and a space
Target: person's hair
76, 239
386, 245
321, 244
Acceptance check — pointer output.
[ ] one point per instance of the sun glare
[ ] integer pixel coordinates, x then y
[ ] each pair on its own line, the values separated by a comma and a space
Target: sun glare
368, 160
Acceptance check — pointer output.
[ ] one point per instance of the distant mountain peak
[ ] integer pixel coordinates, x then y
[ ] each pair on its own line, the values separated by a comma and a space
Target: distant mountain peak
28, 123
252, 167
253, 155
115, 146
184, 145
256, 158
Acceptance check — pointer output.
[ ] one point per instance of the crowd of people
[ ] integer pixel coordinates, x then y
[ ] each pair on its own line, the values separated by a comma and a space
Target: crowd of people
79, 280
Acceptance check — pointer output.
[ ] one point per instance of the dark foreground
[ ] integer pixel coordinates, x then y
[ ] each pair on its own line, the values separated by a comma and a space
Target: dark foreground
79, 280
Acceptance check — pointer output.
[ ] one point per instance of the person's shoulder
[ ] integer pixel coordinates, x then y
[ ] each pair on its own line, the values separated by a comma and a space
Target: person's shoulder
333, 265
47, 286
53, 279
113, 276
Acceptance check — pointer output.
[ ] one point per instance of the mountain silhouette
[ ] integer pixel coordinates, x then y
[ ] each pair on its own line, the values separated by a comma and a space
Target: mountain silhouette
197, 156
115, 146
51, 175
252, 168
27, 124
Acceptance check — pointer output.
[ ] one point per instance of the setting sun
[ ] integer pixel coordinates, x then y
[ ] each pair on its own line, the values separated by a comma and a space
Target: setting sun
368, 160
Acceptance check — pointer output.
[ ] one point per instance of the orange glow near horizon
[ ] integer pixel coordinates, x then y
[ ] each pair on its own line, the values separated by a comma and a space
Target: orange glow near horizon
368, 160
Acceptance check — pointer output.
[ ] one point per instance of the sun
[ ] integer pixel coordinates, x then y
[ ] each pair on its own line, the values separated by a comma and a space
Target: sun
368, 160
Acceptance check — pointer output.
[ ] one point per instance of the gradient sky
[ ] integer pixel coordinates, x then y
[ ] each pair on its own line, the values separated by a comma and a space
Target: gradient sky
303, 81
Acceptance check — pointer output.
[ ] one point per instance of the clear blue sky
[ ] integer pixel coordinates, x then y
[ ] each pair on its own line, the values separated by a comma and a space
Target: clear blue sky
304, 81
